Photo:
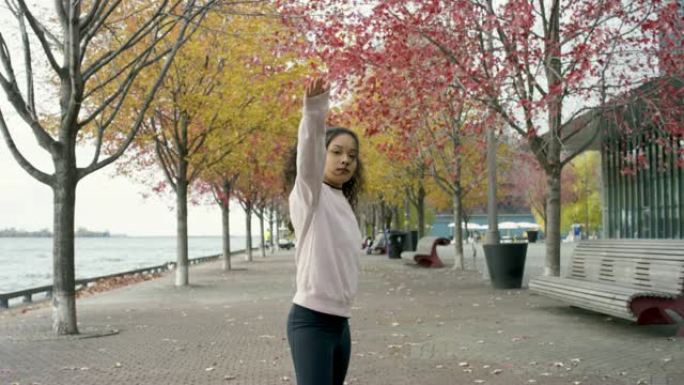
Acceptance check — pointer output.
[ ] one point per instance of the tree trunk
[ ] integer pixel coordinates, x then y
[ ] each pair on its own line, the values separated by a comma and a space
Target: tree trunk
279, 223
248, 241
421, 211
225, 216
261, 233
407, 213
270, 225
395, 218
552, 267
553, 165
63, 292
492, 236
458, 233
383, 216
182, 225
459, 262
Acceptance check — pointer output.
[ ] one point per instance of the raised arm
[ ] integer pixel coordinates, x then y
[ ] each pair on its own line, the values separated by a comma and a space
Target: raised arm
311, 143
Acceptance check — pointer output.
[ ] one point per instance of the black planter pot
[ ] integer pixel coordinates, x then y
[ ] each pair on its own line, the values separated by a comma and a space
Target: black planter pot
532, 236
506, 264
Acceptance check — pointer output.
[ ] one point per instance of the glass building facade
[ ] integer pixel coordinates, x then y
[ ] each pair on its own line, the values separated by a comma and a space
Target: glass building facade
644, 200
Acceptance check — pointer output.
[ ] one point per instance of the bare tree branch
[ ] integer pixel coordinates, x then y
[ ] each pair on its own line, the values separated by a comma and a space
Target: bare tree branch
184, 34
127, 68
90, 27
135, 38
96, 10
15, 98
120, 93
98, 144
23, 162
223, 155
167, 164
42, 33
30, 90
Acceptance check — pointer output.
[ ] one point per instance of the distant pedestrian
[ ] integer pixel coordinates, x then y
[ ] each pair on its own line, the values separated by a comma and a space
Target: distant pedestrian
267, 238
326, 176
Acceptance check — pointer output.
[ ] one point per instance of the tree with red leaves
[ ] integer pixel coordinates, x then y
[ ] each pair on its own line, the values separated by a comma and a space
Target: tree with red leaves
546, 68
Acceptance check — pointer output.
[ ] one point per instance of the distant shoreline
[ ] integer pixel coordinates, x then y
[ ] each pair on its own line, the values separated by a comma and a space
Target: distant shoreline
50, 236
123, 236
80, 233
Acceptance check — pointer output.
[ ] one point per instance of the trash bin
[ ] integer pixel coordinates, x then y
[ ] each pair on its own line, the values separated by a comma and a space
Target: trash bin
396, 243
506, 264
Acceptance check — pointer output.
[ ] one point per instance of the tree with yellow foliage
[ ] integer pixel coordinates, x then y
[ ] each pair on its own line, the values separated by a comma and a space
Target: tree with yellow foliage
220, 91
94, 53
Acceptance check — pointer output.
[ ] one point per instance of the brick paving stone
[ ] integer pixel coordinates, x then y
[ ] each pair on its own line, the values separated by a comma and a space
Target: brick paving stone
409, 326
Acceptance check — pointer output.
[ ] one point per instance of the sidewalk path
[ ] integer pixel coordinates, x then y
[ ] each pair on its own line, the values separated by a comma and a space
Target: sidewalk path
410, 326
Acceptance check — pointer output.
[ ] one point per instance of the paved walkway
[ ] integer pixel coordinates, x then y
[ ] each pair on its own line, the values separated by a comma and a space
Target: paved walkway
410, 326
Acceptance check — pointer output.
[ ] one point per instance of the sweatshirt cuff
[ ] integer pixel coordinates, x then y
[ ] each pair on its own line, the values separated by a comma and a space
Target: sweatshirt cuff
318, 103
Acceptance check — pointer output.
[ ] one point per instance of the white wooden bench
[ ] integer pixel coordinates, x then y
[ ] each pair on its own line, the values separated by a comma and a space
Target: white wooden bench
426, 252
634, 279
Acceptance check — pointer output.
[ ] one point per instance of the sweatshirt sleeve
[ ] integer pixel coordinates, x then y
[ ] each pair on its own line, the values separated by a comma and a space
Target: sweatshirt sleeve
311, 151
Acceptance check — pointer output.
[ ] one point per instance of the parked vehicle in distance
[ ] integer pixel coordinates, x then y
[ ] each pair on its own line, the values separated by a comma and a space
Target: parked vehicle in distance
286, 244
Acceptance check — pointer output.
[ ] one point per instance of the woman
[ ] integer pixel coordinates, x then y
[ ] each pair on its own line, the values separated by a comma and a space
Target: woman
326, 176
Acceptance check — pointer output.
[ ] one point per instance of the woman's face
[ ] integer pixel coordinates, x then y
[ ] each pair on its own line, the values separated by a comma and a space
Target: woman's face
340, 160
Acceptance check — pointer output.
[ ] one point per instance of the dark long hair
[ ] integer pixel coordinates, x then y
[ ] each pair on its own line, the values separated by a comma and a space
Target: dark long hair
352, 188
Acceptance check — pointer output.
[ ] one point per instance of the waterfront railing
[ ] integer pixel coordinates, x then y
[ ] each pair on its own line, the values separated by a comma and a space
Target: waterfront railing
27, 295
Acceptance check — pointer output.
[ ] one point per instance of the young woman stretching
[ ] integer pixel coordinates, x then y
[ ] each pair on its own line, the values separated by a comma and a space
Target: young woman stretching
326, 177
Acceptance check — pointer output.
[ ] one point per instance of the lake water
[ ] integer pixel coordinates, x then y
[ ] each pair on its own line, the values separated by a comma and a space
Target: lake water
27, 262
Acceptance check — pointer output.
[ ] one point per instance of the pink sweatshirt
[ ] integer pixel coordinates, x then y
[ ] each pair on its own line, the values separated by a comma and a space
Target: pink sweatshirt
328, 236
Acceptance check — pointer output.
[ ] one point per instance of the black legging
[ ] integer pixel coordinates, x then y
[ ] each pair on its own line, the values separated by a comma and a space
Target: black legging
320, 345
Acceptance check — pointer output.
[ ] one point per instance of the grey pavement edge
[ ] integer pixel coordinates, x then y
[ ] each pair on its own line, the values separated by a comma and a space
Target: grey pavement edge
409, 326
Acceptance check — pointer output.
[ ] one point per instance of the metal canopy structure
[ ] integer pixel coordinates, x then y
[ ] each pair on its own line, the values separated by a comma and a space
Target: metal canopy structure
642, 163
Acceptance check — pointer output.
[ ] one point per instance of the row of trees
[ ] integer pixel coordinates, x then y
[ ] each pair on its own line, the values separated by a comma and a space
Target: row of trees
542, 70
203, 89
199, 88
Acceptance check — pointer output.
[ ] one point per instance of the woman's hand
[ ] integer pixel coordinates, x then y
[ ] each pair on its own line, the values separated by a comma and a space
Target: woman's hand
317, 86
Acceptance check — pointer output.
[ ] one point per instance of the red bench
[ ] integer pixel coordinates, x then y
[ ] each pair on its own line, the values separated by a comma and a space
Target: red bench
426, 252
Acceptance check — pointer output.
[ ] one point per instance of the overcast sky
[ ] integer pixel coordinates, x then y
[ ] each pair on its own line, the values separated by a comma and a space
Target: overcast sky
104, 200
